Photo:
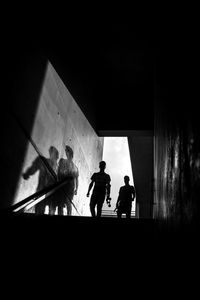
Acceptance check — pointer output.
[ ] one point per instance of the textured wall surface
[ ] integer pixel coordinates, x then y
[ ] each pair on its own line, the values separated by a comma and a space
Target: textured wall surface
59, 121
176, 162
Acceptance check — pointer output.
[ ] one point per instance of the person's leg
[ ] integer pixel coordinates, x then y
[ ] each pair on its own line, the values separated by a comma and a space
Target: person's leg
92, 205
60, 210
100, 205
52, 209
128, 214
37, 211
69, 208
119, 213
128, 211
39, 208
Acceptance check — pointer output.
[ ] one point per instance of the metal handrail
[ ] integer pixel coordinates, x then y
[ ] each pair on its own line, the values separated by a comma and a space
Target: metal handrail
112, 213
33, 199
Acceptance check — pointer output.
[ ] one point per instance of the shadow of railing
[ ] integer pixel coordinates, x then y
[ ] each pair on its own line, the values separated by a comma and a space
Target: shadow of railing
39, 196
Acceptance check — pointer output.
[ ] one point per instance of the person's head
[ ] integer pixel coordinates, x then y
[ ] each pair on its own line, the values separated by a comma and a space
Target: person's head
102, 165
126, 179
69, 152
53, 153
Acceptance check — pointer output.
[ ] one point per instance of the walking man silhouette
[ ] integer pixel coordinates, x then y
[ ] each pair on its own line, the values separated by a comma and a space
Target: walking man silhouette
101, 190
126, 197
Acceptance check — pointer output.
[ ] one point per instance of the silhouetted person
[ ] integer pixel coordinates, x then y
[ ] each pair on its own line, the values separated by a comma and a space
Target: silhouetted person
45, 177
101, 190
68, 171
126, 197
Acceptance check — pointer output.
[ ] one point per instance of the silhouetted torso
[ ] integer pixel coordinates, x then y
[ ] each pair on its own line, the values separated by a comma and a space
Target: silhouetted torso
126, 196
101, 179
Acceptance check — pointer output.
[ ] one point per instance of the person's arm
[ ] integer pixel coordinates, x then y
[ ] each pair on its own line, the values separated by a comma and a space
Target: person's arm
76, 184
90, 187
108, 188
32, 169
118, 200
133, 193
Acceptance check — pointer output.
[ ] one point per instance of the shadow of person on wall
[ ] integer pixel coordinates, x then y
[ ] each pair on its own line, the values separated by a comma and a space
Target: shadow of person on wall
68, 172
47, 168
126, 196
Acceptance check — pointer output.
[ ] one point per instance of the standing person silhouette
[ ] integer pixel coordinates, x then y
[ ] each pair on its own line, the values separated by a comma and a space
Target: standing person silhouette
67, 171
126, 197
101, 190
45, 178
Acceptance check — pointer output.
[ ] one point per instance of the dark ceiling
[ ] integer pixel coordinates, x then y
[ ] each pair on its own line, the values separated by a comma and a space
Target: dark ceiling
109, 71
110, 68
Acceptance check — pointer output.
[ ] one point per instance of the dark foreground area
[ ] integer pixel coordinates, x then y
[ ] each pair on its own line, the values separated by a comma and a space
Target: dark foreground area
83, 255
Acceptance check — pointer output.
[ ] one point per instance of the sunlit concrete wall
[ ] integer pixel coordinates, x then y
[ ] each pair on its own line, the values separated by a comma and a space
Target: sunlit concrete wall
60, 121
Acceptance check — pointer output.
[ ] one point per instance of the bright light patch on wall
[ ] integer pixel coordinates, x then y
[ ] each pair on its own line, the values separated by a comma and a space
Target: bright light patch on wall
117, 157
59, 121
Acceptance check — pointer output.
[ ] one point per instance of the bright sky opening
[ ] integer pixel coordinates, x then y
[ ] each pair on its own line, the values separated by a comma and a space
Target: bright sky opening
118, 164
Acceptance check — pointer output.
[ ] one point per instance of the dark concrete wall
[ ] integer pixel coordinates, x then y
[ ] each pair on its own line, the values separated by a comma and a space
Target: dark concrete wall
176, 157
24, 70
141, 153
